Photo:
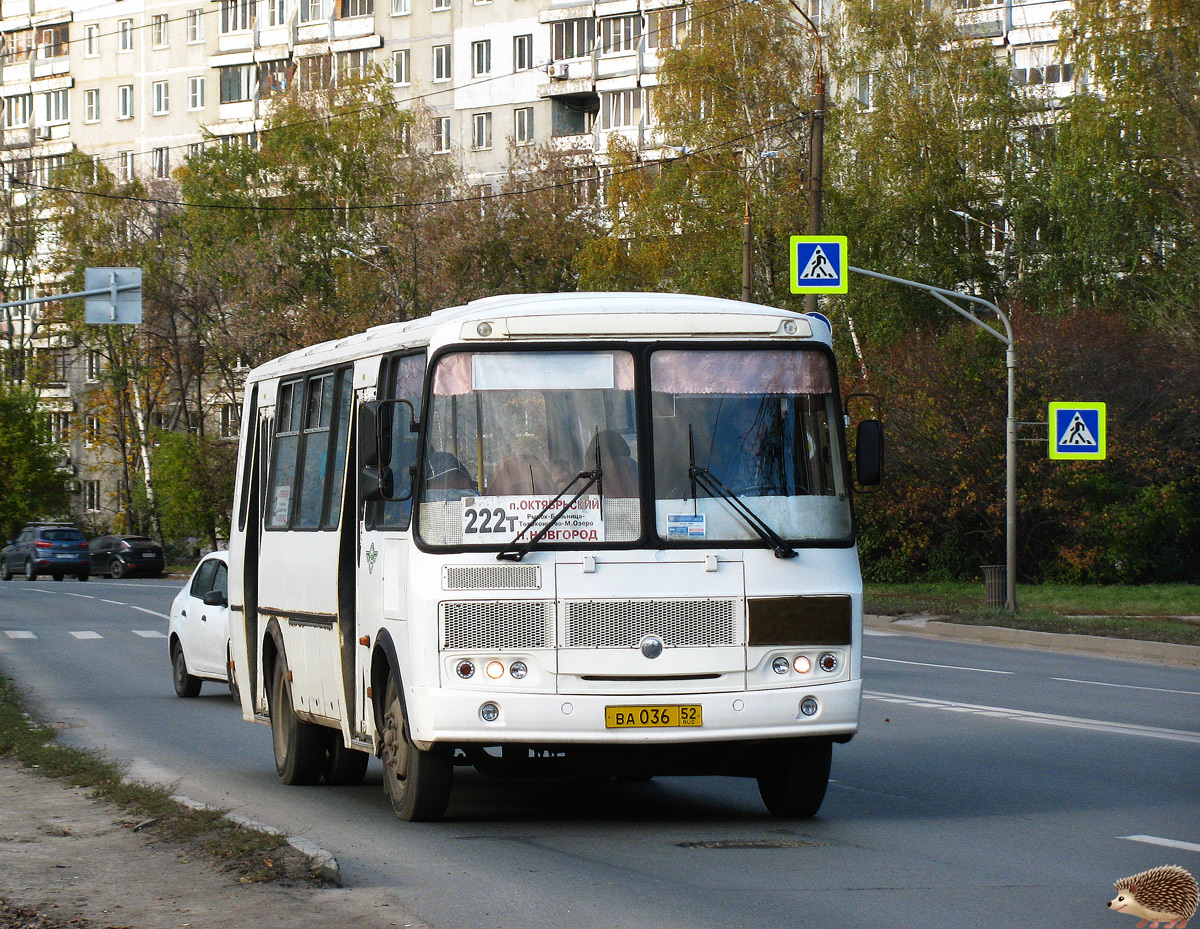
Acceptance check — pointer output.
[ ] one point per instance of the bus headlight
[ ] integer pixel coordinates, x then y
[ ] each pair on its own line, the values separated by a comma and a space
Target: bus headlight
780, 665
465, 669
489, 712
518, 669
495, 670
802, 664
828, 662
809, 706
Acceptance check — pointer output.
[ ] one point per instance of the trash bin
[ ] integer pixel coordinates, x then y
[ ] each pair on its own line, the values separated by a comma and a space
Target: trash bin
995, 586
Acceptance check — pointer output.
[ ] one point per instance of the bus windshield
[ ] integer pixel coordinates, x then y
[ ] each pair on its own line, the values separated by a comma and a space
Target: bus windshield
508, 431
732, 429
758, 425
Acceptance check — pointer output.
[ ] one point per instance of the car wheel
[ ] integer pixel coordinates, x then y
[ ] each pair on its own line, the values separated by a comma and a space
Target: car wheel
57, 577
416, 782
186, 685
82, 575
31, 573
299, 746
5, 571
116, 569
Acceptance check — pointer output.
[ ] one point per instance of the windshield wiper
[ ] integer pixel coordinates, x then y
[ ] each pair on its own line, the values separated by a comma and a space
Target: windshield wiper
714, 488
591, 478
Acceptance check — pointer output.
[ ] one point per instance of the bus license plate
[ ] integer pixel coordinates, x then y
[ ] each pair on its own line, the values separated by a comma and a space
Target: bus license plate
645, 717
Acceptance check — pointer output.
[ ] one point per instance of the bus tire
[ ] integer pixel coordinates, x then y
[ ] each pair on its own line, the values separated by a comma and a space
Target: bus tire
416, 782
299, 746
186, 685
233, 684
792, 778
344, 767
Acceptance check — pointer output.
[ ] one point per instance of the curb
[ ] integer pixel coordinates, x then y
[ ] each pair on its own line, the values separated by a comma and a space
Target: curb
323, 863
1097, 646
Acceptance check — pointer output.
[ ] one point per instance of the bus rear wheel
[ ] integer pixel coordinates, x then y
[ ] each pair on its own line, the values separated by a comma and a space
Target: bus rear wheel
793, 777
416, 782
344, 767
299, 746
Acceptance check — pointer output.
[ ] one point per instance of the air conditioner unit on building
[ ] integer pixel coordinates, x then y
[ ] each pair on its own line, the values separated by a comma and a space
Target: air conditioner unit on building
41, 132
559, 71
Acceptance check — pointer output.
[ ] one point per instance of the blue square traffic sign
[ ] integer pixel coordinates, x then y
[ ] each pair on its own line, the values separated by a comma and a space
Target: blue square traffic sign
1078, 431
819, 264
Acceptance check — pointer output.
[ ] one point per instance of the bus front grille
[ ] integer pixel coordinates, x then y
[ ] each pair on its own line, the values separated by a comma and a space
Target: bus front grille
624, 623
492, 577
497, 624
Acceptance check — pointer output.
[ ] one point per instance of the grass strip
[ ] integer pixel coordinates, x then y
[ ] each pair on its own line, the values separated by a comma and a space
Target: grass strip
252, 854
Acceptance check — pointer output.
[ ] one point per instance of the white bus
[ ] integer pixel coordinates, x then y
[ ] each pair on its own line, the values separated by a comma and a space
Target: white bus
608, 534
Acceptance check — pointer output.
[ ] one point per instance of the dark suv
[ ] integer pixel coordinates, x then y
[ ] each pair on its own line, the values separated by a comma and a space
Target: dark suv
46, 548
126, 555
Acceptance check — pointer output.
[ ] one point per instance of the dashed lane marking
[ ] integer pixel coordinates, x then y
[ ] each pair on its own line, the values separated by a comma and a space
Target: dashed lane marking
1165, 843
1159, 690
142, 609
1044, 719
925, 664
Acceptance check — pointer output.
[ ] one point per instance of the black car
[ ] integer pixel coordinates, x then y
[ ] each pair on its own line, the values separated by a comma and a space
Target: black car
57, 549
126, 555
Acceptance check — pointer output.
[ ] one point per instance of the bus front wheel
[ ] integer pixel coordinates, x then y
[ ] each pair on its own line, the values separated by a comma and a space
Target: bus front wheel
299, 746
416, 782
792, 778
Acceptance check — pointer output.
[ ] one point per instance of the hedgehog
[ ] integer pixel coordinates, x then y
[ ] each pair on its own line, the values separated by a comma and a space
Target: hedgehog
1166, 894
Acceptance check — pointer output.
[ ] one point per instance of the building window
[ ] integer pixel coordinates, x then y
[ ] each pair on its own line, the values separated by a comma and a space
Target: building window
124, 171
237, 83
162, 162
91, 496
274, 76
95, 361
401, 7
17, 111
522, 52
91, 430
441, 4
125, 35
667, 28
865, 91
441, 134
158, 30
18, 46
229, 420
401, 72
523, 125
353, 66
311, 11
441, 63
195, 93
195, 149
125, 101
58, 106
195, 26
236, 15
160, 98
620, 109
52, 42
481, 57
481, 131
91, 106
358, 8
620, 34
91, 41
60, 427
314, 72
573, 38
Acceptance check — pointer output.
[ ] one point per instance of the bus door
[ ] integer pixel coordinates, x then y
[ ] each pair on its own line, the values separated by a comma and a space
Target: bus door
383, 548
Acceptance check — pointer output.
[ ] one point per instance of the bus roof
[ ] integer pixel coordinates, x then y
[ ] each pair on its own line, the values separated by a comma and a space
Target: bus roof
532, 317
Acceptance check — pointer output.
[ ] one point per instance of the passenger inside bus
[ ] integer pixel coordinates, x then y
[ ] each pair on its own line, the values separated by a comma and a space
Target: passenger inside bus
619, 472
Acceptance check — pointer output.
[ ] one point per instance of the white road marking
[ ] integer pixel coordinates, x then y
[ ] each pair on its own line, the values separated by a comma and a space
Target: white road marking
113, 602
925, 664
879, 633
1165, 843
87, 635
1160, 690
149, 633
1045, 719
19, 634
142, 609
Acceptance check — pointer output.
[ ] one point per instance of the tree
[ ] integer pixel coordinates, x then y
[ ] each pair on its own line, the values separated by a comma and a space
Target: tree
33, 485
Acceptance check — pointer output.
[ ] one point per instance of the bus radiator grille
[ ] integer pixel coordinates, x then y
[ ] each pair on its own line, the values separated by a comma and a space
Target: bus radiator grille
624, 623
497, 624
492, 577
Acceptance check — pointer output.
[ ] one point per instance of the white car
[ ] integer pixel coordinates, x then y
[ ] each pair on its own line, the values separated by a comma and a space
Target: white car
198, 634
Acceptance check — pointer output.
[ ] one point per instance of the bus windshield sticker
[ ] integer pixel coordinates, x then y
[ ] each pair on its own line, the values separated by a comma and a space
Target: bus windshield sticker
283, 500
684, 526
497, 519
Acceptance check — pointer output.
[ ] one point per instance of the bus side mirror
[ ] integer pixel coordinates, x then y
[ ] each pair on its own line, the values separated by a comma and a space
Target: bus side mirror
374, 425
375, 484
868, 453
376, 433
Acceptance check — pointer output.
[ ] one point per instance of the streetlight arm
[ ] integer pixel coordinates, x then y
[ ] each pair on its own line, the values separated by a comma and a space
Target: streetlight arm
942, 294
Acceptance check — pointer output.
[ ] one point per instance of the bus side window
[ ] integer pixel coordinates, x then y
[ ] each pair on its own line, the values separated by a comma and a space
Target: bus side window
402, 379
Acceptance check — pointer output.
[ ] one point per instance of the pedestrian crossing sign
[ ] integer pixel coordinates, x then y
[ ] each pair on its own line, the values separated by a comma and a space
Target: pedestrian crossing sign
1077, 431
818, 264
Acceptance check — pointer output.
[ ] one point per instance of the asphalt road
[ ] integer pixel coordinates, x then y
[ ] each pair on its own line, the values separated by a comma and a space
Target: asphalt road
988, 786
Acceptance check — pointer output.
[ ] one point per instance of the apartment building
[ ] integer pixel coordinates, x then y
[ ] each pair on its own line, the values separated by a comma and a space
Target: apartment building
139, 84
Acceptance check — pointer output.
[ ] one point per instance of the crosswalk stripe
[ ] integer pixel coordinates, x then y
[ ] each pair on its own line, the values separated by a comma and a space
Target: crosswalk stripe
87, 635
19, 634
149, 633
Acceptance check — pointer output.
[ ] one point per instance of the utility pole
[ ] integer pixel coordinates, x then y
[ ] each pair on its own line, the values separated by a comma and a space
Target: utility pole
816, 159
